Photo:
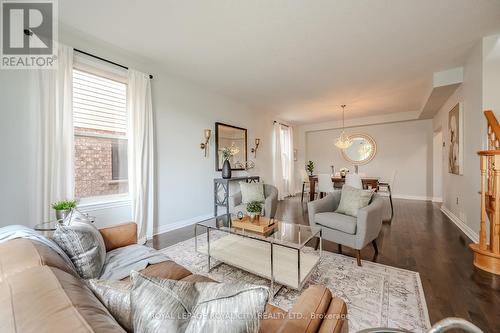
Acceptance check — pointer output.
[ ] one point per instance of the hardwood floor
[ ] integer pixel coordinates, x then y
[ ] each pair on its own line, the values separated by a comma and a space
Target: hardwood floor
420, 238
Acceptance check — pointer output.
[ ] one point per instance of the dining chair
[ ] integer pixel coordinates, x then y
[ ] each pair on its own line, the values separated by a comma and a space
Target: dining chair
385, 187
305, 183
354, 180
325, 183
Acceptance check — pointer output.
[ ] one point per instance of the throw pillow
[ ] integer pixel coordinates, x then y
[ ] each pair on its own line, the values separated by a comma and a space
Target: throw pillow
353, 199
160, 305
84, 245
115, 295
252, 192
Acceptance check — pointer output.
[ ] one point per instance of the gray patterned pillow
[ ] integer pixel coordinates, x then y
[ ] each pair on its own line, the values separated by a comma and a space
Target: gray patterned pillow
115, 295
252, 192
160, 305
84, 245
353, 199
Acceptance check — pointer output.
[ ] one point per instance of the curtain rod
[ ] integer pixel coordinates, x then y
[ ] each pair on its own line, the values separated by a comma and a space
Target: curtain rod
281, 123
105, 60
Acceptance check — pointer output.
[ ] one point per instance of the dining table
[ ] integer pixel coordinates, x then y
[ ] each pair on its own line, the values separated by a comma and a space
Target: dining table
338, 182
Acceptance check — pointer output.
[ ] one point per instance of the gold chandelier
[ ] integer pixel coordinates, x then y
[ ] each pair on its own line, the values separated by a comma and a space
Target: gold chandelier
343, 141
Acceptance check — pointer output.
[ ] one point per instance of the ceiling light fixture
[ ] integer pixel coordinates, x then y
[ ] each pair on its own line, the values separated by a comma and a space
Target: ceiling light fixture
343, 141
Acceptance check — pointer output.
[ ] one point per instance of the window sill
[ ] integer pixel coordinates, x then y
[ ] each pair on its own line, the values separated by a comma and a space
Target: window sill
104, 202
118, 181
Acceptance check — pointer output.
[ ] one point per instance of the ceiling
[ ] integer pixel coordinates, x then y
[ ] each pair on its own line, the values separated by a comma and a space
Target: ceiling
297, 59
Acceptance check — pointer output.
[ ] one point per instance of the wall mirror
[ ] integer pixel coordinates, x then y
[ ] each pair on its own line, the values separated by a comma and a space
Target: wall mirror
235, 138
362, 150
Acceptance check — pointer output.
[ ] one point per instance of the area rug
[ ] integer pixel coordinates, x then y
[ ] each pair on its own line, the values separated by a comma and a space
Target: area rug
376, 295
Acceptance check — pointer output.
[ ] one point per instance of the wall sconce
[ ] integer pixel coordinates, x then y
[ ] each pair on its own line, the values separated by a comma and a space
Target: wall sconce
204, 145
254, 150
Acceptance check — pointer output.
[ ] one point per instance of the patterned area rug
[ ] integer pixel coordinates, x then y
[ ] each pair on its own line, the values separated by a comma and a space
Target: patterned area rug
376, 295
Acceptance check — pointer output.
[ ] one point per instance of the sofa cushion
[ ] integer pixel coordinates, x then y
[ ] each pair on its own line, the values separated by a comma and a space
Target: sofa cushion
197, 278
46, 299
165, 270
20, 254
160, 305
84, 245
341, 222
311, 304
273, 319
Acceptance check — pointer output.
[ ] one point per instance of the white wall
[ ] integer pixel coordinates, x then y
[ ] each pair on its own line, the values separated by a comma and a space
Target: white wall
464, 188
404, 146
17, 148
491, 74
182, 111
437, 166
185, 177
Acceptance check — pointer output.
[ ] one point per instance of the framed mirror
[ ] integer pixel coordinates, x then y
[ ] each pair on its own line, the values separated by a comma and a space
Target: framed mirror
235, 138
362, 150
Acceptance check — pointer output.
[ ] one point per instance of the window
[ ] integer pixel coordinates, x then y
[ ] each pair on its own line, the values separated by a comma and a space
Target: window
100, 127
119, 160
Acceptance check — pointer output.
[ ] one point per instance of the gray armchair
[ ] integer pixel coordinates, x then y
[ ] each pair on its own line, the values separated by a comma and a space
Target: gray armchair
270, 204
354, 232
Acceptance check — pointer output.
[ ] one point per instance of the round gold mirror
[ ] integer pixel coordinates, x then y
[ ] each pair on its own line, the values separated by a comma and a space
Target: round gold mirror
362, 150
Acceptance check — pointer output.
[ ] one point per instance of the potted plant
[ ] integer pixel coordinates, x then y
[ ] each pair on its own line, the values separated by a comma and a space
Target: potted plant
63, 208
310, 167
254, 208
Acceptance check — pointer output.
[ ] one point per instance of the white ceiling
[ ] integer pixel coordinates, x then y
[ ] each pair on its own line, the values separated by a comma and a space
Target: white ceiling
297, 59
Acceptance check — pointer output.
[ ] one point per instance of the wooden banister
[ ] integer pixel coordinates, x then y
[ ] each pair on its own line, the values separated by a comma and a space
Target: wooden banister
487, 252
493, 130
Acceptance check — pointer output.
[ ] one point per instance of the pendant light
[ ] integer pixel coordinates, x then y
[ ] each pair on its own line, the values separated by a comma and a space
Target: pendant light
343, 141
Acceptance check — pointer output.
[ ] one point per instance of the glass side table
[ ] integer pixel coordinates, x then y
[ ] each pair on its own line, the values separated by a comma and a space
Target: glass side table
47, 228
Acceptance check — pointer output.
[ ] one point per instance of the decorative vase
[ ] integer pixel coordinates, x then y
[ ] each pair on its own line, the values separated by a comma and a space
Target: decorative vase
254, 217
61, 214
226, 170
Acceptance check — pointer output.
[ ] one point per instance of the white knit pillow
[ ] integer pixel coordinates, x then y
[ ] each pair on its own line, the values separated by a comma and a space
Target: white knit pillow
252, 192
352, 200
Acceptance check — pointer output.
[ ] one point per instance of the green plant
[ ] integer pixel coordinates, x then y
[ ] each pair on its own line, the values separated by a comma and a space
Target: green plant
64, 204
226, 154
310, 167
254, 207
229, 152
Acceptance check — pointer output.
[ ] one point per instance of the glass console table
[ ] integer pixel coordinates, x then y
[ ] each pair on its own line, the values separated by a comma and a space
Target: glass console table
281, 256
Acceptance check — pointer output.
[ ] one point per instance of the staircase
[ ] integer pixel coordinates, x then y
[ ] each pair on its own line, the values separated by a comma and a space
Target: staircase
487, 252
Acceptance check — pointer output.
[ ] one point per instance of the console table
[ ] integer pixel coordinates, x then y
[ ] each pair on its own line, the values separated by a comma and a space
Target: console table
223, 184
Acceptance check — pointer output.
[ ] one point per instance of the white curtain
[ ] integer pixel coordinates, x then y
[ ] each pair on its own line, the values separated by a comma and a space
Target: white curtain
141, 152
283, 169
277, 161
290, 184
55, 148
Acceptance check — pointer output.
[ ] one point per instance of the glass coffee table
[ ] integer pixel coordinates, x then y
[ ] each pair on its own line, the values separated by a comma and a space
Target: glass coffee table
280, 256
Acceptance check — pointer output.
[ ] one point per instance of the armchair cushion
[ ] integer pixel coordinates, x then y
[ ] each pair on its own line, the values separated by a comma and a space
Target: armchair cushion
341, 222
352, 200
252, 192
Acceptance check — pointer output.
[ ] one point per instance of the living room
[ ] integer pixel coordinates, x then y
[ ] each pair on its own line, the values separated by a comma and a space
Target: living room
314, 162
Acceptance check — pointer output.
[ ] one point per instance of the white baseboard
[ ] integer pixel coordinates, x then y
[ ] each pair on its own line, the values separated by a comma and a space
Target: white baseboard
437, 199
473, 236
182, 223
411, 197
